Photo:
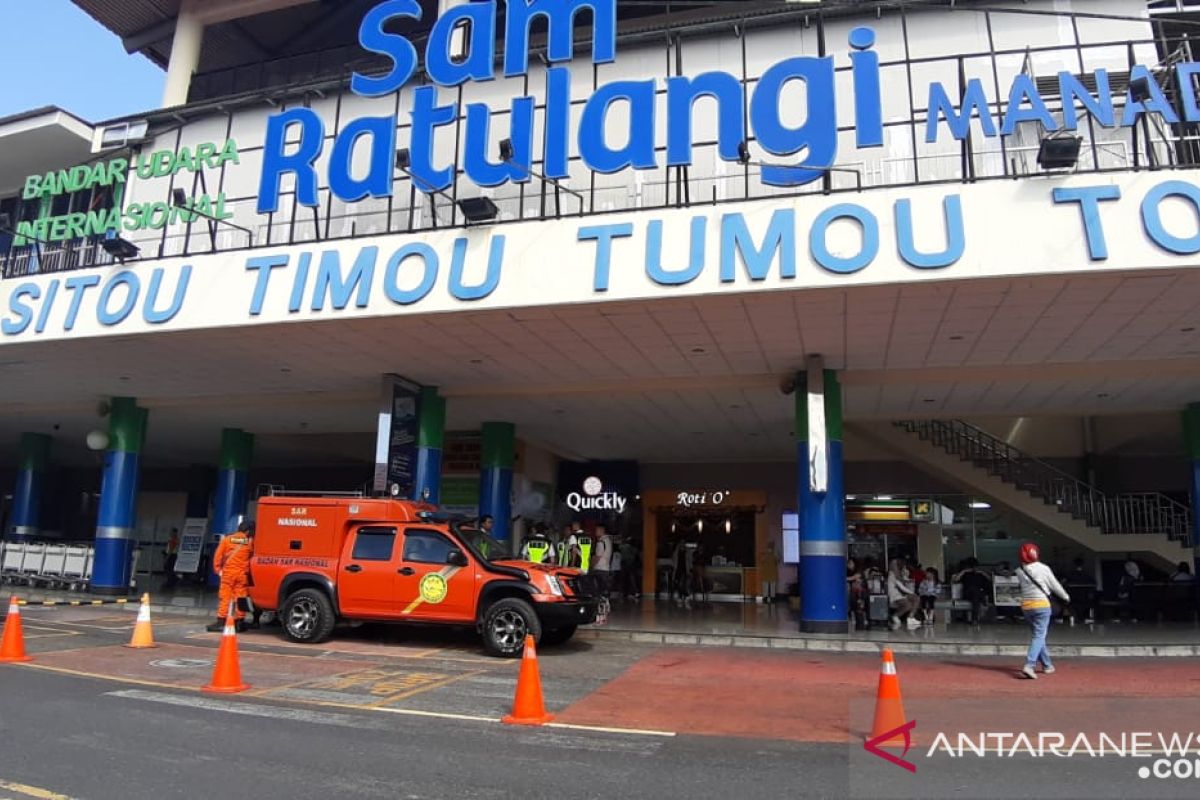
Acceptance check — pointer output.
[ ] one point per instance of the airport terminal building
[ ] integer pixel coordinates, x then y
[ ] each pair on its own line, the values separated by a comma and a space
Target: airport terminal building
848, 278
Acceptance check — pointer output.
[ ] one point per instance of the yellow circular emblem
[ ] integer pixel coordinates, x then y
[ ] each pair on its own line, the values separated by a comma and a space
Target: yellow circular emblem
433, 588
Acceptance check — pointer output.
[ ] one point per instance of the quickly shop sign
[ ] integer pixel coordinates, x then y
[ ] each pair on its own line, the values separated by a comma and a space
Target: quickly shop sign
594, 498
296, 140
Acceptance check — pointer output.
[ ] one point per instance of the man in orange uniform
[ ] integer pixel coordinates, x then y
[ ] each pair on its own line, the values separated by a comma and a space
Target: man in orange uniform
232, 562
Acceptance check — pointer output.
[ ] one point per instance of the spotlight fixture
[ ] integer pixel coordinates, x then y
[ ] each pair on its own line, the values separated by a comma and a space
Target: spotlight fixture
478, 209
508, 155
120, 249
1059, 152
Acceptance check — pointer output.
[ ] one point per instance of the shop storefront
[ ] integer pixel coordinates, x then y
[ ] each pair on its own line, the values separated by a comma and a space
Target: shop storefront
705, 543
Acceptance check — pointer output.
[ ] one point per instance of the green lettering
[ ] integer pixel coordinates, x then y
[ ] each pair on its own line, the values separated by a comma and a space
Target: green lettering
33, 187
164, 163
58, 229
99, 176
220, 212
25, 230
135, 217
229, 153
75, 225
100, 222
116, 171
157, 215
206, 155
79, 178
145, 166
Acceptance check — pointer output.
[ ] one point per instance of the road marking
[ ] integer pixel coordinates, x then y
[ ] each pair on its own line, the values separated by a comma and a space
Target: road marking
117, 678
429, 687
412, 712
249, 709
32, 791
601, 729
386, 650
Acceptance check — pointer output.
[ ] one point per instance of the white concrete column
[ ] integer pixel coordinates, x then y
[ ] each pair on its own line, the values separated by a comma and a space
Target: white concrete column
185, 56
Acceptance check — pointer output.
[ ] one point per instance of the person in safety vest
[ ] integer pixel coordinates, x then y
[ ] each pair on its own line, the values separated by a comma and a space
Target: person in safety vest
537, 546
232, 562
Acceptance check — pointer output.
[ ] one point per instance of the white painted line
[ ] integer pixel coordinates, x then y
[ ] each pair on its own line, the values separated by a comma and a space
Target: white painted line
248, 709
412, 712
599, 729
32, 791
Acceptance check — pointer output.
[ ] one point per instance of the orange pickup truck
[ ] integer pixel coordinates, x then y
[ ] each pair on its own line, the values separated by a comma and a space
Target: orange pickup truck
320, 559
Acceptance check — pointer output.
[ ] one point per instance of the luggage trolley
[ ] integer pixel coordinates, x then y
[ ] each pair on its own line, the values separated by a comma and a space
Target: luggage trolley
77, 566
31, 564
14, 556
54, 562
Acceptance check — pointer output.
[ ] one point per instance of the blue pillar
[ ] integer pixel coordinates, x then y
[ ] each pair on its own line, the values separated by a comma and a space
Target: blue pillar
229, 499
116, 534
495, 484
431, 435
1191, 443
822, 517
25, 520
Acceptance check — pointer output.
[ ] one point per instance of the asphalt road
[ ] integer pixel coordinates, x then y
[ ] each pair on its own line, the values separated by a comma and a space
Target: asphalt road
91, 739
398, 713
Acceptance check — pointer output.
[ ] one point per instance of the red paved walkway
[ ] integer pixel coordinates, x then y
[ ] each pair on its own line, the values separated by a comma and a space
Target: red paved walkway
804, 698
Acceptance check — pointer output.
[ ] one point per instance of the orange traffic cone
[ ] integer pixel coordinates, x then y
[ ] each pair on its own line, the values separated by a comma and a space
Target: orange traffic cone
12, 646
889, 708
227, 674
528, 708
143, 634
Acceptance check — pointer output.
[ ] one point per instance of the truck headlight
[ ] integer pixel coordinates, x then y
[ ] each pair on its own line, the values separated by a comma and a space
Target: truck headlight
555, 586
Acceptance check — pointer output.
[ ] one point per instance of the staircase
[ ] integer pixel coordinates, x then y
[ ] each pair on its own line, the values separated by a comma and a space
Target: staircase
1147, 523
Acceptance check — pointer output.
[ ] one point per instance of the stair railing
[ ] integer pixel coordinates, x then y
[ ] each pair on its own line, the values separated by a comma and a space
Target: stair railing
1137, 513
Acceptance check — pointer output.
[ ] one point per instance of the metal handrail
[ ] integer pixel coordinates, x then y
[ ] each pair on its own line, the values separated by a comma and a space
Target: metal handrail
1133, 513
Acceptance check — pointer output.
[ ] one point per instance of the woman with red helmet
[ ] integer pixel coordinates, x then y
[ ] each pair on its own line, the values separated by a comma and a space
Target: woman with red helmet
1037, 582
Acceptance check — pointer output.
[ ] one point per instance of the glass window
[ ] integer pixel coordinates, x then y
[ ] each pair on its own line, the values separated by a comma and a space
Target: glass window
426, 547
374, 544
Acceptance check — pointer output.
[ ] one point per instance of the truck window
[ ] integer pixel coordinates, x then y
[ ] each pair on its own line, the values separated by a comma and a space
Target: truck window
426, 547
374, 544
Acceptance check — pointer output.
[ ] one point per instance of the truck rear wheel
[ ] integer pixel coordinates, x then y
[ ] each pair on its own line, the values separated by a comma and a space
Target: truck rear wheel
307, 616
506, 624
559, 635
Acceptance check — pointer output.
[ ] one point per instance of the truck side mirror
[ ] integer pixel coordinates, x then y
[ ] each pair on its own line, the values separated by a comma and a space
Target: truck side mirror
457, 558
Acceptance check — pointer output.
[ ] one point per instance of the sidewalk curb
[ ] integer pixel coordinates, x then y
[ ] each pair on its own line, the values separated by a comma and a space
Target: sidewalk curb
811, 644
872, 646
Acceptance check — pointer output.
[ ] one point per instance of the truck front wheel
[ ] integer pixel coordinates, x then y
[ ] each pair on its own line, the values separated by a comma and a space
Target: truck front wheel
307, 616
506, 624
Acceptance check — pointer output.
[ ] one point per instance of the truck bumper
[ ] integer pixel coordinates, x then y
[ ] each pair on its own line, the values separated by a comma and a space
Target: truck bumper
573, 612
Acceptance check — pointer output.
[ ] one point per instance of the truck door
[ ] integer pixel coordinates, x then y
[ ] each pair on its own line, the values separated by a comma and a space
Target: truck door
432, 586
367, 583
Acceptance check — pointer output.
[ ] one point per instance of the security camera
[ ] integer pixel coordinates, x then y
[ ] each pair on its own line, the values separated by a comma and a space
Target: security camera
787, 385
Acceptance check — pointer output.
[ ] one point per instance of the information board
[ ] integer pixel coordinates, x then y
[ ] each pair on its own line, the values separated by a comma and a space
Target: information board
191, 544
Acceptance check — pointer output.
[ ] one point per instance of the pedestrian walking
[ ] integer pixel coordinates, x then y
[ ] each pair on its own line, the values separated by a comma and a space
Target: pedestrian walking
231, 562
602, 561
1038, 584
171, 555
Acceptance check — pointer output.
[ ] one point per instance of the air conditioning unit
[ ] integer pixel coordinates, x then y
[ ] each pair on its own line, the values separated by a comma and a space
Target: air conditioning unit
120, 134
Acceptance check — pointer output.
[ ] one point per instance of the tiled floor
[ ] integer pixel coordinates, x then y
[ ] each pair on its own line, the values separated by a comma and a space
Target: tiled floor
749, 619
